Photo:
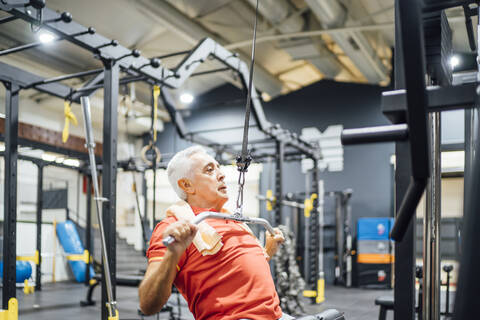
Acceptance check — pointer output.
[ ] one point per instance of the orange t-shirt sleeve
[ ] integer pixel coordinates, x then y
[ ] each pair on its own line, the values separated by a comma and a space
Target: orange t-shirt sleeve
157, 249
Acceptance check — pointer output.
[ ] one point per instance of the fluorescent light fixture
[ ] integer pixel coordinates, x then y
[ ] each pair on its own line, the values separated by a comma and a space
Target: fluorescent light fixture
46, 37
454, 61
72, 162
48, 157
266, 97
186, 98
2, 147
59, 160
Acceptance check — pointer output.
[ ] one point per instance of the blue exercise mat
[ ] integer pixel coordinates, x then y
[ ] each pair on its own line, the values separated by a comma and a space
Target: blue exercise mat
70, 240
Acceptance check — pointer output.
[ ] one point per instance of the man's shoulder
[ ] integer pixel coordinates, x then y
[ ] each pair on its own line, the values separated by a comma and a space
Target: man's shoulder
163, 224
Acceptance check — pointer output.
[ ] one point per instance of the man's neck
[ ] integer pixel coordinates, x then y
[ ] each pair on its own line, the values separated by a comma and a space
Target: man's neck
200, 203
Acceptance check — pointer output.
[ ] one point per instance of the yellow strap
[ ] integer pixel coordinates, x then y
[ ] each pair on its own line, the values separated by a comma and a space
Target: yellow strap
115, 317
27, 289
69, 116
308, 205
309, 293
156, 94
320, 291
12, 312
35, 258
80, 257
269, 202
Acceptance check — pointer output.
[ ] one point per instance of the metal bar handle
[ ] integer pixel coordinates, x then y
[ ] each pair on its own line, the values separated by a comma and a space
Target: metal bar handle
390, 133
215, 215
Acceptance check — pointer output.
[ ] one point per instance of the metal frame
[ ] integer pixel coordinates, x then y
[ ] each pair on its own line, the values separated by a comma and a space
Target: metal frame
109, 172
413, 163
10, 193
115, 58
41, 164
280, 150
38, 273
316, 234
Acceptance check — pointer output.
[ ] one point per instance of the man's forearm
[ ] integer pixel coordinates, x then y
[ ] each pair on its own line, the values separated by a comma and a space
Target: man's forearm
156, 286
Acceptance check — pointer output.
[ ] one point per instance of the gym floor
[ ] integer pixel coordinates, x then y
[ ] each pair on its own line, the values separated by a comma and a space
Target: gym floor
62, 299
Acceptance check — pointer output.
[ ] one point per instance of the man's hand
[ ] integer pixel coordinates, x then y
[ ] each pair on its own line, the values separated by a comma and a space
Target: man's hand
272, 242
183, 232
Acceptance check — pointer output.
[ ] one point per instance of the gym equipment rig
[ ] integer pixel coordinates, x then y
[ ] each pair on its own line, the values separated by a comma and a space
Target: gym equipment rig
414, 109
117, 60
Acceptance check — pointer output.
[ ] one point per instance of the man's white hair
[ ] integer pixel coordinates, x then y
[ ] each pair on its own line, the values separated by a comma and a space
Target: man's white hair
180, 166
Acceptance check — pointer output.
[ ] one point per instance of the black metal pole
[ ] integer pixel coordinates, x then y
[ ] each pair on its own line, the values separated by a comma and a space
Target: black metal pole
468, 145
404, 292
100, 86
174, 54
315, 230
154, 162
280, 146
67, 76
145, 202
340, 227
88, 227
209, 72
109, 173
466, 297
38, 276
10, 193
7, 19
21, 48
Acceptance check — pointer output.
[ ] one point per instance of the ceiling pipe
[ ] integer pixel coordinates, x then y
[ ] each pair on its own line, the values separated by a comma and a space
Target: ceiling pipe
193, 32
332, 14
281, 15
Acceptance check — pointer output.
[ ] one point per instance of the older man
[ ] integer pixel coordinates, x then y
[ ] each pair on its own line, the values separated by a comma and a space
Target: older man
231, 280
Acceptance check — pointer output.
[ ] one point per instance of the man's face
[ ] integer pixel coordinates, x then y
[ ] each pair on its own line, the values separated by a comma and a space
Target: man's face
207, 179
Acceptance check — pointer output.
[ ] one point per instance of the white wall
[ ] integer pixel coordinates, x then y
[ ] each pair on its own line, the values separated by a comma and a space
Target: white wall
26, 245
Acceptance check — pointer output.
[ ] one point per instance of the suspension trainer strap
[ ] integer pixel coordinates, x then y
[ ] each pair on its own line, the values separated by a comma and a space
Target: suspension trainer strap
69, 116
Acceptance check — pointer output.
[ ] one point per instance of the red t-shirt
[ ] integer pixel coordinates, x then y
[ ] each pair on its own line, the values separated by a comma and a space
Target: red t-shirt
235, 283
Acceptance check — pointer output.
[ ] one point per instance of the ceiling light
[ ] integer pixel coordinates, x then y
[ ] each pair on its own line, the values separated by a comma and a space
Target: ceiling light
46, 37
72, 162
186, 98
454, 61
48, 157
266, 97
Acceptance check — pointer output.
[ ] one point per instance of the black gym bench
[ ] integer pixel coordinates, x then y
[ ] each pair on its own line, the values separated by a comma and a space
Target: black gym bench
385, 303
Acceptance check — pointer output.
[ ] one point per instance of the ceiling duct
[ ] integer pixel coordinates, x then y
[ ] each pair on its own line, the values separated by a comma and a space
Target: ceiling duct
192, 32
282, 16
332, 14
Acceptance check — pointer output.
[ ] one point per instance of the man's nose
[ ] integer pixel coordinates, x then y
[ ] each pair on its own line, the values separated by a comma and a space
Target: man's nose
221, 175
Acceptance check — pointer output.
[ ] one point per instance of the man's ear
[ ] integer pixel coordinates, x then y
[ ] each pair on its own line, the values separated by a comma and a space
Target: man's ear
186, 186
